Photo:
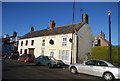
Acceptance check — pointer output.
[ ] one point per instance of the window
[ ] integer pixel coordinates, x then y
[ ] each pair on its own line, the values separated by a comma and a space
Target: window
64, 42
20, 51
91, 62
26, 42
21, 43
100, 63
52, 53
42, 51
64, 54
25, 51
32, 42
43, 42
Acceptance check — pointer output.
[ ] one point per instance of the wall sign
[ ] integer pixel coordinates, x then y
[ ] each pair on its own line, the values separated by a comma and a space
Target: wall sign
51, 42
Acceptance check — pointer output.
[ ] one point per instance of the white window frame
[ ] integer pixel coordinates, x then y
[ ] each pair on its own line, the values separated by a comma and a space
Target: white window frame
43, 42
64, 41
64, 54
52, 51
42, 51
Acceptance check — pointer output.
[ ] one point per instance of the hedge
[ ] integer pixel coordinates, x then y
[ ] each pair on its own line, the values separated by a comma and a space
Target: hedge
102, 52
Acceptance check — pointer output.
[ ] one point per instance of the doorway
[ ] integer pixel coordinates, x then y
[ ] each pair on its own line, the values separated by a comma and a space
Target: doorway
31, 51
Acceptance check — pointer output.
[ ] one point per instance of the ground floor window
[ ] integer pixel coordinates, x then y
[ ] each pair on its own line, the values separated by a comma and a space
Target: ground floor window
25, 51
64, 54
20, 51
52, 53
42, 51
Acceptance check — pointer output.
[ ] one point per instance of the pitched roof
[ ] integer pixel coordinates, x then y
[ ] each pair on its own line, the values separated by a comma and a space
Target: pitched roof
65, 29
104, 40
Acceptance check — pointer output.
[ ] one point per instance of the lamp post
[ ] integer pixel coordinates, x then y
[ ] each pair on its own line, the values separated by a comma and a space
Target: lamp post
109, 24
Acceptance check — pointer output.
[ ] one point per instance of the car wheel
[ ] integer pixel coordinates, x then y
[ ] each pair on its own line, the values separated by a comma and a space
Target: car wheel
19, 60
73, 70
50, 65
9, 57
37, 63
108, 76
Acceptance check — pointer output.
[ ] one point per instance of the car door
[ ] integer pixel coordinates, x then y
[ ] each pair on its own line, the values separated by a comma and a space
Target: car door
87, 67
99, 68
84, 69
22, 57
43, 60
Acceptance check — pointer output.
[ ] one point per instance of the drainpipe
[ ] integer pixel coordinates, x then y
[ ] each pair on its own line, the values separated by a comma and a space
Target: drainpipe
72, 47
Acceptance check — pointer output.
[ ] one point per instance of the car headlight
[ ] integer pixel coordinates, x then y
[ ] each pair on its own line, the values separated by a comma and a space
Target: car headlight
54, 63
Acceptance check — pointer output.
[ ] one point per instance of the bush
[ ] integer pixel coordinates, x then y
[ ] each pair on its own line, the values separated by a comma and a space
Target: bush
102, 52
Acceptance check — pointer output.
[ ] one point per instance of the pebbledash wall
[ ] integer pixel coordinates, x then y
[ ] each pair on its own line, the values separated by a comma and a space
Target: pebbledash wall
48, 48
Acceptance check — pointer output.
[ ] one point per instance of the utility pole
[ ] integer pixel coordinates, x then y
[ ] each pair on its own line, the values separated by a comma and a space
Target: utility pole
72, 32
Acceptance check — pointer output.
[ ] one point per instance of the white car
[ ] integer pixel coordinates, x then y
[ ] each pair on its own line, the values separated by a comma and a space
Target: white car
99, 68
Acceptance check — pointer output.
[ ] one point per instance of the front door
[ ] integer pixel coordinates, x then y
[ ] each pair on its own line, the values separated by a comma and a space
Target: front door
31, 50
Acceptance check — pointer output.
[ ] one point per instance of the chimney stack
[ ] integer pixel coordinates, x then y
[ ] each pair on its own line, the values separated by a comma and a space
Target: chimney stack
85, 18
51, 24
102, 35
14, 34
31, 29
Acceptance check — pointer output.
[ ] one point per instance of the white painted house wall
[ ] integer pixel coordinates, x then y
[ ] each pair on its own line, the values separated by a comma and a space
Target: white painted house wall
82, 42
48, 47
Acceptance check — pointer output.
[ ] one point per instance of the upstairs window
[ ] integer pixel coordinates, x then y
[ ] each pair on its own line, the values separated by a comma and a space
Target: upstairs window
32, 42
21, 43
64, 42
43, 42
26, 42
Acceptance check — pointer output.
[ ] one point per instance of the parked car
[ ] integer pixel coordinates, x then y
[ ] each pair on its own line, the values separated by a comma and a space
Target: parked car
6, 54
26, 58
100, 68
11, 54
49, 61
14, 55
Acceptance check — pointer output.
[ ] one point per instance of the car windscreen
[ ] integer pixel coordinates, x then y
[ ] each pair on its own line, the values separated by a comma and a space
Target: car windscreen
51, 58
30, 55
23, 55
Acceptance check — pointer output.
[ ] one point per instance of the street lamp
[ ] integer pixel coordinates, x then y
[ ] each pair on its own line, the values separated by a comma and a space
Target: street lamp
109, 24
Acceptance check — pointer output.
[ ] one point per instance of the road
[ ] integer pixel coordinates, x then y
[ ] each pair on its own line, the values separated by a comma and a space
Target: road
12, 69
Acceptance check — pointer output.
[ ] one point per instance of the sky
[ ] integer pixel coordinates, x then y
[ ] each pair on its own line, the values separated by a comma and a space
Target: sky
20, 16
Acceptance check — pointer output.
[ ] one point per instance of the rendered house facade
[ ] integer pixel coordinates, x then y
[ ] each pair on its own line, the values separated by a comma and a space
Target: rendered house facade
68, 43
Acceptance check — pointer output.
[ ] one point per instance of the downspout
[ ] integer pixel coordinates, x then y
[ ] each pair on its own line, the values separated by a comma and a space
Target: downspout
77, 42
72, 46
